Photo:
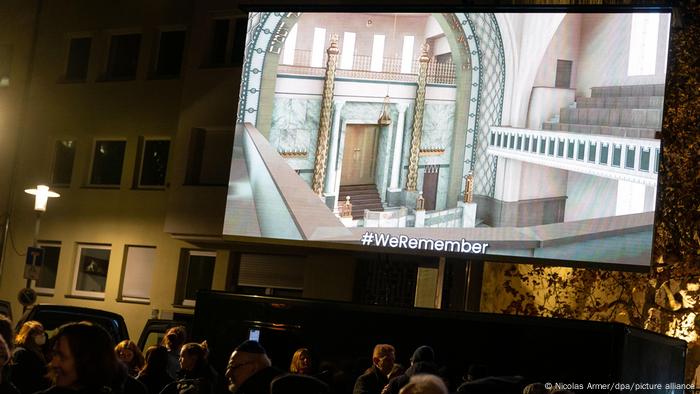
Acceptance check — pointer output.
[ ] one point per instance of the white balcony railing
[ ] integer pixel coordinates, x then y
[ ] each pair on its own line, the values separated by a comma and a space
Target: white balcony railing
629, 159
438, 73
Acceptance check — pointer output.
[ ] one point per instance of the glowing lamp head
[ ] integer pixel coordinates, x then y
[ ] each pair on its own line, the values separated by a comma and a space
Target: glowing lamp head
41, 196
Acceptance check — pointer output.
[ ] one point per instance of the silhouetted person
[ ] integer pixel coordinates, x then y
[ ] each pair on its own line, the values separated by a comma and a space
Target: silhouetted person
422, 362
29, 365
296, 384
249, 370
154, 374
424, 384
375, 378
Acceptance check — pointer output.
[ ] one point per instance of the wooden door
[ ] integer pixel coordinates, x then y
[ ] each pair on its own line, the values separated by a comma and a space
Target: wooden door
359, 154
430, 183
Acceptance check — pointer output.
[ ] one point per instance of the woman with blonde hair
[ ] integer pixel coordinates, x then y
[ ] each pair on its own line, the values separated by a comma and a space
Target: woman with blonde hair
29, 364
196, 375
301, 362
129, 353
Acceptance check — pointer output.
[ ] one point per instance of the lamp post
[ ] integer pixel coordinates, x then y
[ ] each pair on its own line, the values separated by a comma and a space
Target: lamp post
41, 197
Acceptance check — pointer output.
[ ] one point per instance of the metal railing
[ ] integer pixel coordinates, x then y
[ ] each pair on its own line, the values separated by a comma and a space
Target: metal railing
630, 159
438, 73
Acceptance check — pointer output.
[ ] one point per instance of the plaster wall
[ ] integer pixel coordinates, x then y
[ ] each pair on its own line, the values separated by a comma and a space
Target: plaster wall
604, 61
589, 197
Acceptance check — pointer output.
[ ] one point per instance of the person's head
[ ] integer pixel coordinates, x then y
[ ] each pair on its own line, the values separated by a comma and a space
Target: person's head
156, 360
383, 358
301, 362
129, 353
174, 338
31, 335
245, 361
7, 332
83, 356
423, 354
535, 388
193, 356
424, 384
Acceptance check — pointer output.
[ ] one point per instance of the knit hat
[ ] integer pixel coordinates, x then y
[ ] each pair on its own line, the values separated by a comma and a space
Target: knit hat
251, 347
423, 354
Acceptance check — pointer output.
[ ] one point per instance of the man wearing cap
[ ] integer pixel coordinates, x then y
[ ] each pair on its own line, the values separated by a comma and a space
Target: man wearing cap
249, 370
372, 381
422, 362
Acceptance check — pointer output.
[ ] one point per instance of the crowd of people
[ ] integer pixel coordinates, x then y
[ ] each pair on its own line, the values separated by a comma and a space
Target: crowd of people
81, 358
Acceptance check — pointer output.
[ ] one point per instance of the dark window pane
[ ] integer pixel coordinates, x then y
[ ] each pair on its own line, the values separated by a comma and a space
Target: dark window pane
219, 41
238, 48
155, 162
563, 77
47, 277
63, 163
108, 158
78, 59
200, 272
92, 270
123, 56
172, 45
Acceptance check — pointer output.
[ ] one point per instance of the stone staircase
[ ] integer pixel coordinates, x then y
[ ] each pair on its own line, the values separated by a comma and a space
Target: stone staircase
361, 197
624, 111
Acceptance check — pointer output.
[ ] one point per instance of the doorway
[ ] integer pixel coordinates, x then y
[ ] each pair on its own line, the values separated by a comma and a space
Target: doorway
359, 154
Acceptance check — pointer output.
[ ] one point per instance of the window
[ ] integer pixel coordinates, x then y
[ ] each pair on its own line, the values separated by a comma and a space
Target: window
318, 47
563, 77
170, 52
153, 162
123, 56
5, 65
91, 267
290, 46
407, 55
219, 42
138, 273
196, 273
78, 59
209, 157
377, 60
347, 54
265, 274
227, 42
644, 36
107, 161
64, 155
47, 277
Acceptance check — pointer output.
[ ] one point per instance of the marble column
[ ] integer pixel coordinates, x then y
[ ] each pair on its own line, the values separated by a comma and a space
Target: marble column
412, 178
325, 119
398, 148
329, 189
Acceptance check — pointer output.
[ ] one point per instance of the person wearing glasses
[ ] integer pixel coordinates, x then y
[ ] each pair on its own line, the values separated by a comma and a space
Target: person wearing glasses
375, 378
249, 370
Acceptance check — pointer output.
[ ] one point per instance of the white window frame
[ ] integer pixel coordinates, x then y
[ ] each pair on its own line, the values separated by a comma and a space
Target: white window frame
122, 297
347, 55
644, 41
142, 156
49, 291
290, 46
377, 60
76, 269
318, 47
407, 54
92, 163
208, 253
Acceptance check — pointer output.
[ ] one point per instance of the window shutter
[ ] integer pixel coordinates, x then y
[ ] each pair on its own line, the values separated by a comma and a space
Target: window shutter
275, 271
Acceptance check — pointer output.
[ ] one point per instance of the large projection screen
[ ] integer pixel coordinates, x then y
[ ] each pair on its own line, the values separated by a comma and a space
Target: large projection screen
515, 136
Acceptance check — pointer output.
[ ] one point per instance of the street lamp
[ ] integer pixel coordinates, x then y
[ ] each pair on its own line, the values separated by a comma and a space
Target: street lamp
41, 197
